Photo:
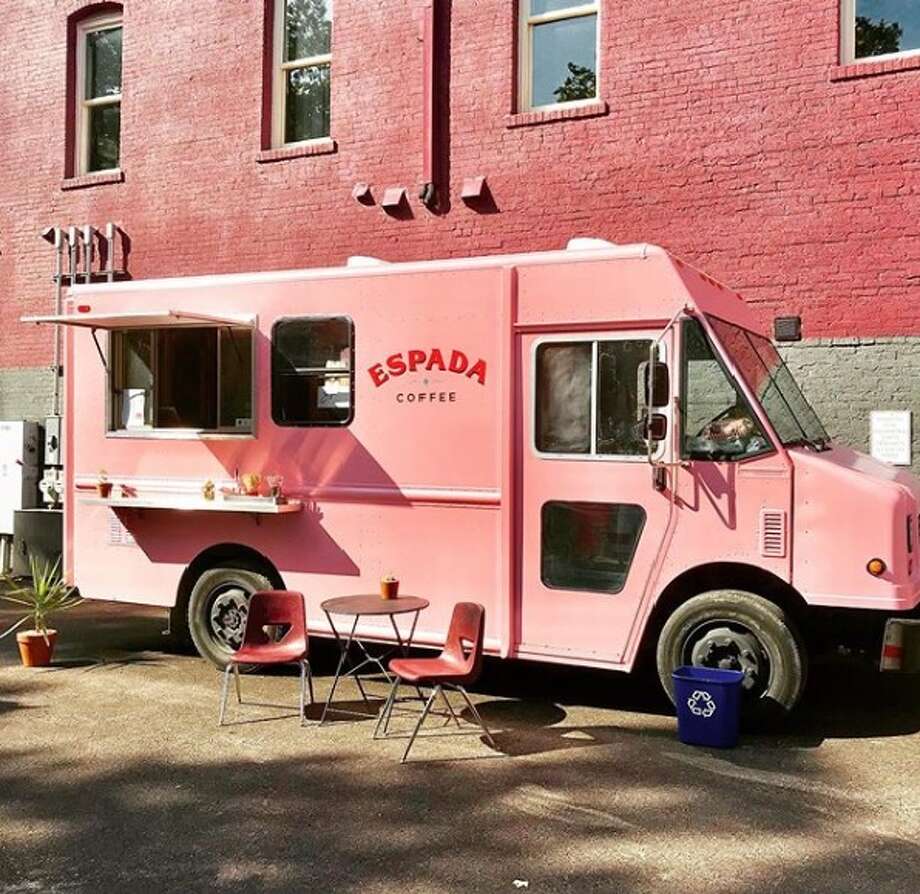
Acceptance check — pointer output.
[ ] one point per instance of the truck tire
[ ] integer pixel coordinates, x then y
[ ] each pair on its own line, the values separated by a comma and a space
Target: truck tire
738, 630
217, 608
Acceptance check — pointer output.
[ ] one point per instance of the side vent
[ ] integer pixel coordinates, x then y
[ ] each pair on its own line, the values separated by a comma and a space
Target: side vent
773, 533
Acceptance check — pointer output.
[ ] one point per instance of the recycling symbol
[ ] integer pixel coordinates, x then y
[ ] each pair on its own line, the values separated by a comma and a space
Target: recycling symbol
701, 704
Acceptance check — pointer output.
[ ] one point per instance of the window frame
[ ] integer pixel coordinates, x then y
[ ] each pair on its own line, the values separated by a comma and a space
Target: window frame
847, 54
345, 423
82, 105
179, 434
736, 380
526, 23
594, 338
280, 69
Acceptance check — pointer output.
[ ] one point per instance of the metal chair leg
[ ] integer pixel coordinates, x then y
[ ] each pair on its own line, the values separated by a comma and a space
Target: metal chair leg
224, 691
236, 675
385, 711
303, 686
450, 709
479, 720
421, 720
310, 681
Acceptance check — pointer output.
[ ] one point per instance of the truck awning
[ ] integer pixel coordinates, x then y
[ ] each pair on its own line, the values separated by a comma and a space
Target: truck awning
152, 319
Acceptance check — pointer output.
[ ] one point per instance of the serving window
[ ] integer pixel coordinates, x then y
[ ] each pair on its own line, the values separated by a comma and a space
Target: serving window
181, 378
313, 378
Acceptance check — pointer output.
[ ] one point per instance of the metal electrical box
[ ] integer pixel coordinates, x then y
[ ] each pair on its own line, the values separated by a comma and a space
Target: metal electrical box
20, 462
38, 533
54, 452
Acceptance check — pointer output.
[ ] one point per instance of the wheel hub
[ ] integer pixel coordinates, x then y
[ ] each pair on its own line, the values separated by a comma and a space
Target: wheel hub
730, 649
228, 615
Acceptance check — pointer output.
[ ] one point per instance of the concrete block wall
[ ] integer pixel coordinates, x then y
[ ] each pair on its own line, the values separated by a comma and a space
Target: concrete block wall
846, 378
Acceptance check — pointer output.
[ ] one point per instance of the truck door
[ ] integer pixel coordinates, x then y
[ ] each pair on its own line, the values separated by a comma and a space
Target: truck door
592, 525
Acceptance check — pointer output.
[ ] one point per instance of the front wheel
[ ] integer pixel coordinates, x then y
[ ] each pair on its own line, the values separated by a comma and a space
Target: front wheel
737, 630
217, 610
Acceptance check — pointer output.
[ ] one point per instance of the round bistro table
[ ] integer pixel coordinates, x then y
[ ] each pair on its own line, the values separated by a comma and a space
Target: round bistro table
357, 606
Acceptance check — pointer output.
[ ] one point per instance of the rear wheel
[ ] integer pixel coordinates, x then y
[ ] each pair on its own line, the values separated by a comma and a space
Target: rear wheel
737, 630
217, 609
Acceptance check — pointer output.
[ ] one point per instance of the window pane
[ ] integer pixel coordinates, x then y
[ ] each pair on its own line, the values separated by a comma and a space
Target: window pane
589, 546
236, 379
306, 114
717, 421
132, 404
104, 137
312, 372
619, 415
103, 63
538, 7
563, 398
886, 26
307, 28
186, 378
564, 61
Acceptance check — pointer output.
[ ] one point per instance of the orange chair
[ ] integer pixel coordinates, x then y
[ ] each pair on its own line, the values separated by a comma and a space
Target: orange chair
458, 665
272, 608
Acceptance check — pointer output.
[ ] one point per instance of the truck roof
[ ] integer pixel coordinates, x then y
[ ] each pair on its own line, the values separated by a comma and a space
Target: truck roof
691, 286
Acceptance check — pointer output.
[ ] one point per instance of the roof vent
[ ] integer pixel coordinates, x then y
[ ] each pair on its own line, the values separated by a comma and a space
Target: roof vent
365, 261
584, 243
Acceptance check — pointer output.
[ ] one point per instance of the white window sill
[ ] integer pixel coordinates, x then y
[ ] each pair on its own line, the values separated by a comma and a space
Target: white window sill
297, 150
96, 178
557, 113
864, 68
179, 434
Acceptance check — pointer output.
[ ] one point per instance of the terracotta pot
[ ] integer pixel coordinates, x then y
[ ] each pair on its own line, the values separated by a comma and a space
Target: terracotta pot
389, 589
33, 650
104, 489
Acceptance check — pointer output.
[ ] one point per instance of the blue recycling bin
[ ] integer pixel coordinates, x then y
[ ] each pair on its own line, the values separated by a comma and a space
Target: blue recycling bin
708, 701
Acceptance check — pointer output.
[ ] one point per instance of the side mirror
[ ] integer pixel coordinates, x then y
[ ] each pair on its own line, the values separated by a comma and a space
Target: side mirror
657, 391
657, 427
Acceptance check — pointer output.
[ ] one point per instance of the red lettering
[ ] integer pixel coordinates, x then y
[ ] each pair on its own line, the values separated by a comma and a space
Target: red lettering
478, 371
415, 358
458, 361
378, 375
435, 360
396, 365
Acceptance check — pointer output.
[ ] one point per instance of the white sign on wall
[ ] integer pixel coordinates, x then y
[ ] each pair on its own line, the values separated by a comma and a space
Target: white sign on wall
890, 435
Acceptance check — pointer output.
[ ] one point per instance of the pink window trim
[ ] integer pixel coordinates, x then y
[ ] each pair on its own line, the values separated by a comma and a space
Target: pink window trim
320, 147
563, 113
99, 179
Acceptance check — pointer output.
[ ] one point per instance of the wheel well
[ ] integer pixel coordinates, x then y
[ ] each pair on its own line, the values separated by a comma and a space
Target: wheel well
720, 576
234, 554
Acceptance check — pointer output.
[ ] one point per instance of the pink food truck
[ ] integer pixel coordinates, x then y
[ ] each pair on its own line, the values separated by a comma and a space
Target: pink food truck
598, 444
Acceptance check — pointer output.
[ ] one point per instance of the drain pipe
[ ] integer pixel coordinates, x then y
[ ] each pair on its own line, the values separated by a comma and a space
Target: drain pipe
56, 236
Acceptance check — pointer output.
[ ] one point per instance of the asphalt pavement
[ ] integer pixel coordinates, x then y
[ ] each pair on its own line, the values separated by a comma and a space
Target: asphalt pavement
114, 777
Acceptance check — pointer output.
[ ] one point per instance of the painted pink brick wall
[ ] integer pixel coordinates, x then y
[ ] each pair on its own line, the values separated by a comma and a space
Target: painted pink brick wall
727, 141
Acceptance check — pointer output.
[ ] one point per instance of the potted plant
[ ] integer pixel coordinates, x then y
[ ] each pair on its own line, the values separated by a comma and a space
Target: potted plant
46, 595
389, 586
103, 485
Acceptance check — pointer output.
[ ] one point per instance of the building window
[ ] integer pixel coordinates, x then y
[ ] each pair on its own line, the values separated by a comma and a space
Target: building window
189, 378
589, 398
98, 81
588, 546
878, 29
302, 47
558, 52
313, 378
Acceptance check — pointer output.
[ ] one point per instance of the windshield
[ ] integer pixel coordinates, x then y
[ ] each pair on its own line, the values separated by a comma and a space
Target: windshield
758, 361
